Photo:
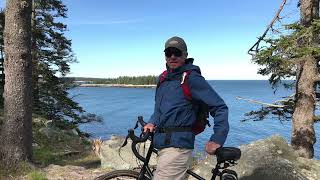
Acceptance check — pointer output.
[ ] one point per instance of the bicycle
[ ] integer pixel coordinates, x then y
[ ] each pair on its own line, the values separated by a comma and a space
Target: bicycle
226, 157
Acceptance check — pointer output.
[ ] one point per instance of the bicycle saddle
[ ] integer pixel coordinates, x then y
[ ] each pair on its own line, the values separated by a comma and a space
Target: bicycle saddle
227, 154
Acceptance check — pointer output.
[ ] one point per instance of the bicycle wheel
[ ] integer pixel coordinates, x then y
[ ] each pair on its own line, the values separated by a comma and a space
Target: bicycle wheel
120, 175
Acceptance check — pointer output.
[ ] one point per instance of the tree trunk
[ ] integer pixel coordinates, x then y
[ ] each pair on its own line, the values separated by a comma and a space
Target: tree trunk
303, 134
16, 131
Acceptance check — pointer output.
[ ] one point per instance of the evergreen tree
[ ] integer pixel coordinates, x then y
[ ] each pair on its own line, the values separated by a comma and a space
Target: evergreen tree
52, 55
294, 55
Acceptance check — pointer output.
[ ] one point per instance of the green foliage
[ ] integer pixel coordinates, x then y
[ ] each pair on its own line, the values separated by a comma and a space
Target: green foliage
52, 56
280, 54
278, 60
36, 175
281, 113
44, 156
136, 80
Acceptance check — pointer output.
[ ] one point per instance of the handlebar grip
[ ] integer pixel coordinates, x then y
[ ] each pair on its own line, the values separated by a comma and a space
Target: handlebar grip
141, 121
135, 139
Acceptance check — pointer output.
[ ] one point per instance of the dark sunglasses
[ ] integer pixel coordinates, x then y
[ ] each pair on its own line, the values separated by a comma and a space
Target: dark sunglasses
176, 52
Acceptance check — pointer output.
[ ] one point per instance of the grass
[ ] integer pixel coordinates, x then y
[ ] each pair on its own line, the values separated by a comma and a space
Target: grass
45, 156
36, 175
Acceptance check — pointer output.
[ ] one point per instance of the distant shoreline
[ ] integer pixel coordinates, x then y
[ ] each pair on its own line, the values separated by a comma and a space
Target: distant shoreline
119, 85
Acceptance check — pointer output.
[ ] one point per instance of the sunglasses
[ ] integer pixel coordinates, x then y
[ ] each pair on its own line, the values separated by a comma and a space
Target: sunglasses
176, 52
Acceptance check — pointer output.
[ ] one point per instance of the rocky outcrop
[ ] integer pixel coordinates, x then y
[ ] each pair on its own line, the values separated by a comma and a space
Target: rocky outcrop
268, 159
112, 156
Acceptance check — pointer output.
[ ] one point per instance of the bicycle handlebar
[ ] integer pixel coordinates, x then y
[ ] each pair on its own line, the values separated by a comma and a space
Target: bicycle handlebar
135, 139
223, 153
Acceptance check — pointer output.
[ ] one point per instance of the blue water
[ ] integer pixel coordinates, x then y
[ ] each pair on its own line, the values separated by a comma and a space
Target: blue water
120, 108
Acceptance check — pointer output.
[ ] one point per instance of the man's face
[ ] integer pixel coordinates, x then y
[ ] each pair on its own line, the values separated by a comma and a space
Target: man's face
174, 58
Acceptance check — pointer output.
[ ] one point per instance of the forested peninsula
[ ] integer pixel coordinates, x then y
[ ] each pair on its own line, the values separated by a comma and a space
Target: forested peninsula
122, 81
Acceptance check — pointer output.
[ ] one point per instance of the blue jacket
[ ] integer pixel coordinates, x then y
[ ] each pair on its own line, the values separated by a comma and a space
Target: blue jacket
172, 109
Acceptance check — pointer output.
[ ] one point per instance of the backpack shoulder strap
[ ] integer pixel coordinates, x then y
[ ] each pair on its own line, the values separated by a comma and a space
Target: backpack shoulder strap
162, 78
185, 85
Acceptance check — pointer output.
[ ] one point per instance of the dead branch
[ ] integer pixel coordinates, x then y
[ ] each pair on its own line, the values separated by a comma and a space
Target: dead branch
275, 18
291, 97
262, 103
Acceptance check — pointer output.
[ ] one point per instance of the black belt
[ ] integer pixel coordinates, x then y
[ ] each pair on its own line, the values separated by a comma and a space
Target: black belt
170, 130
174, 129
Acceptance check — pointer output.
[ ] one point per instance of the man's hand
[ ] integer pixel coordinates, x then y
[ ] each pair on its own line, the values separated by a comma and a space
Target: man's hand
149, 127
211, 147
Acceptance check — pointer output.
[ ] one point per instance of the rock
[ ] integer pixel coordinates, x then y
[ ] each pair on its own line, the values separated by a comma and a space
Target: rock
110, 157
48, 132
268, 159
35, 145
271, 158
74, 132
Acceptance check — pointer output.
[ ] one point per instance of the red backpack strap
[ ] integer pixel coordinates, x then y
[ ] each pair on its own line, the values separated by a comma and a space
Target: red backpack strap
163, 76
185, 85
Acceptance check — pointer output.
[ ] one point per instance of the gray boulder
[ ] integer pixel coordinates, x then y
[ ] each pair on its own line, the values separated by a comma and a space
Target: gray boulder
112, 156
268, 159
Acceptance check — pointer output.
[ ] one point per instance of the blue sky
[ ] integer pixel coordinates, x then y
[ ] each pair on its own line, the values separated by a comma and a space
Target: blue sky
113, 38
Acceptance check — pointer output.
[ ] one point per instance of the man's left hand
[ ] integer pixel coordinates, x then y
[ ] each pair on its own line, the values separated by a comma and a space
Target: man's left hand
211, 147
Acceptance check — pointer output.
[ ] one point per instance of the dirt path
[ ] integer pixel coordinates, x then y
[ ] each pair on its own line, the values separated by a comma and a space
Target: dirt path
68, 172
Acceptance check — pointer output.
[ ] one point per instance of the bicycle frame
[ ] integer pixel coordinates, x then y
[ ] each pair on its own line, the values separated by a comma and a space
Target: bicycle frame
146, 170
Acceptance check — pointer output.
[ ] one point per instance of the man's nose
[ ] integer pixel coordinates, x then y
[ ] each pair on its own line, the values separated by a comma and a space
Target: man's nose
173, 56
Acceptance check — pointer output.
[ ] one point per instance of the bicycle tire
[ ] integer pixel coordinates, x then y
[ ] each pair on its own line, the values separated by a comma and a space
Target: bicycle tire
120, 175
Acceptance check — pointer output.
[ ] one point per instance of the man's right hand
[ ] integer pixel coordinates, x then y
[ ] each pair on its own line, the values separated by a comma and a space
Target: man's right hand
149, 127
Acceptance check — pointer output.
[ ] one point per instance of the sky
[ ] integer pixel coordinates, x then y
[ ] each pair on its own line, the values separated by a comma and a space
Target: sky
112, 38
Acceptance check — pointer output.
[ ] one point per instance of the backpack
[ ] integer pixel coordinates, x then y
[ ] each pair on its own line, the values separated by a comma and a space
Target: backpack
203, 110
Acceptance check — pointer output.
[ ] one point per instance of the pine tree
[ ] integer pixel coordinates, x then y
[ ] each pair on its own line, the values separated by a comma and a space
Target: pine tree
294, 55
52, 55
16, 130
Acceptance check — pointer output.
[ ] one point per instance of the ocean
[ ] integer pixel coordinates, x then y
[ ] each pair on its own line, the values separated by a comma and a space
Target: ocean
120, 107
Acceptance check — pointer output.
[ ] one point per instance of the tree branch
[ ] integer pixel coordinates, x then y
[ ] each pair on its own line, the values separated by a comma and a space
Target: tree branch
262, 103
275, 18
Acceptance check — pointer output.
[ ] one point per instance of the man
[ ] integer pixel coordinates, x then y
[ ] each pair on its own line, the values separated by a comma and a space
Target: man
173, 111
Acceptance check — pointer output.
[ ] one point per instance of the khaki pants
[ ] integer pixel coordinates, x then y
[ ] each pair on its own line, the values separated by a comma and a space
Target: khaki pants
173, 164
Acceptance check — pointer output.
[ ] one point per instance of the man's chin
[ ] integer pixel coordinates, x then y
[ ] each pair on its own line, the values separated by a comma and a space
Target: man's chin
173, 67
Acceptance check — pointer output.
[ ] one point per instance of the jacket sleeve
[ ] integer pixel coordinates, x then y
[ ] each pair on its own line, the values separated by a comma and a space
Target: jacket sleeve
201, 90
154, 119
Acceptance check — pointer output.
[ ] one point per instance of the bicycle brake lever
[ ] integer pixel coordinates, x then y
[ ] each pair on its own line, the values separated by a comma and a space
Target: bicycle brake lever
125, 142
136, 126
